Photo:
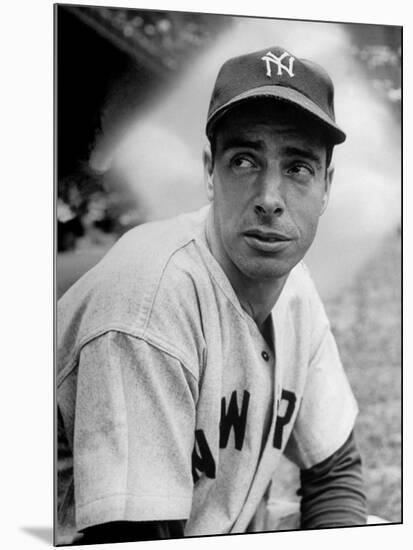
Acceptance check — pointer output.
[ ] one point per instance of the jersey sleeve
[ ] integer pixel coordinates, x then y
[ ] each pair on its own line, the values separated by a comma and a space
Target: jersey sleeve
328, 408
133, 435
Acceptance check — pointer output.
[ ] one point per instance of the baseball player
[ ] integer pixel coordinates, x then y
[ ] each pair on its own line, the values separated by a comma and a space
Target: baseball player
197, 351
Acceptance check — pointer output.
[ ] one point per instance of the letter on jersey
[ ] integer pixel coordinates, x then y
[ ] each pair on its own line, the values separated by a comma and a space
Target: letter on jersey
232, 418
202, 461
282, 421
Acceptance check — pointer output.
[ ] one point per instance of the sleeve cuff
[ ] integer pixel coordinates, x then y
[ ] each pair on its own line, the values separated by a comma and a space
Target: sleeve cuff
131, 508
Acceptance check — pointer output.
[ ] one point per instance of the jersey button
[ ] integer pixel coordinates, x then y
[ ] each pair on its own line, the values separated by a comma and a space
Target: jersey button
265, 355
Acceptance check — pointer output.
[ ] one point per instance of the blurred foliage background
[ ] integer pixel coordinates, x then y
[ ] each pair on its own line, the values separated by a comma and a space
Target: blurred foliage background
110, 62
114, 64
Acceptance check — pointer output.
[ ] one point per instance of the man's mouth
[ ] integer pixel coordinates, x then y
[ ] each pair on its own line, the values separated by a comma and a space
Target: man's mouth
267, 236
266, 241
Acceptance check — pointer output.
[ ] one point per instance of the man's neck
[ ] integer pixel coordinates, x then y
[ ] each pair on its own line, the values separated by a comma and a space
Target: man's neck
257, 297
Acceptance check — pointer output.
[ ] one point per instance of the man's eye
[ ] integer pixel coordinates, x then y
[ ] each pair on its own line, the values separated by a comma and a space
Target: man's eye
242, 162
300, 171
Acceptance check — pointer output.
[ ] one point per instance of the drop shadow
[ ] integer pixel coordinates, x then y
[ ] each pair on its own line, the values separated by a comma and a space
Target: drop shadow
45, 534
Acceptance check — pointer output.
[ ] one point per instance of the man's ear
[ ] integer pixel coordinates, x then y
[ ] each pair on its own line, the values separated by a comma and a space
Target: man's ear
328, 182
208, 172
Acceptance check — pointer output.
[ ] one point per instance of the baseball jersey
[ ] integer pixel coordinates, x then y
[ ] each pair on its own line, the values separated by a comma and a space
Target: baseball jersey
171, 404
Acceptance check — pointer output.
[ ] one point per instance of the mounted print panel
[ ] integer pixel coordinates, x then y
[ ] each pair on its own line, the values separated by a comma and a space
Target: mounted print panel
228, 274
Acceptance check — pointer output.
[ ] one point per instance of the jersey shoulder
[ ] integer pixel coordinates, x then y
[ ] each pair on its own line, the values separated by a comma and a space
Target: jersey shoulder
151, 267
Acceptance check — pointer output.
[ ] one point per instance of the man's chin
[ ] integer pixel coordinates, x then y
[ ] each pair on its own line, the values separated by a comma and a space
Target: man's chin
267, 270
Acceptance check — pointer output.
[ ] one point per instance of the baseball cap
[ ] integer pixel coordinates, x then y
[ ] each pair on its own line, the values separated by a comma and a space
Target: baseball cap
275, 72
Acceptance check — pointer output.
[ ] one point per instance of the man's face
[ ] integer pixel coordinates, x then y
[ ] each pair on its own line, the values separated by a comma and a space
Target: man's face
269, 184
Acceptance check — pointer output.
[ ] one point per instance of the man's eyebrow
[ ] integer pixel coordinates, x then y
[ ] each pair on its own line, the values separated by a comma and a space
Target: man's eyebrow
302, 152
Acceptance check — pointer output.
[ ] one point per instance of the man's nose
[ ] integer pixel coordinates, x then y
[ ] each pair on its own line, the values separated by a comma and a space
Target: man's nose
270, 200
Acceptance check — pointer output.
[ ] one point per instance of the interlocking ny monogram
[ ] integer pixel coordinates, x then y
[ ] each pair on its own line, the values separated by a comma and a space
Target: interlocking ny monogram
269, 58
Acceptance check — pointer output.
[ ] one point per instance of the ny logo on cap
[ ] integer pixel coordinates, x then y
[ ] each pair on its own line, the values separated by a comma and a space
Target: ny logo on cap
269, 58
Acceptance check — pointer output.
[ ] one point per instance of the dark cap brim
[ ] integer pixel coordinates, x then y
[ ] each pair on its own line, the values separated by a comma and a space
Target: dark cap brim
335, 134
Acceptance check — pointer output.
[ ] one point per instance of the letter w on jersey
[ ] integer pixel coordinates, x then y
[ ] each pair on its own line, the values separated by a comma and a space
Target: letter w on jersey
233, 418
271, 58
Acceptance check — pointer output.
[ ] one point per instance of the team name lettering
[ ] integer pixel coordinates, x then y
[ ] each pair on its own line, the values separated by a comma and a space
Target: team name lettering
232, 418
202, 459
271, 59
282, 421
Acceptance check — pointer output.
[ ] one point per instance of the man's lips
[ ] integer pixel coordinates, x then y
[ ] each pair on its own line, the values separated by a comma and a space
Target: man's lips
267, 241
267, 235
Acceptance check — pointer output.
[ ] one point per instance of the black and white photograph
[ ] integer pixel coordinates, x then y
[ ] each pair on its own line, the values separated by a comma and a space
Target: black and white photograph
205, 274
228, 253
